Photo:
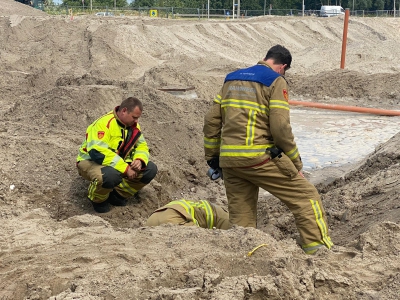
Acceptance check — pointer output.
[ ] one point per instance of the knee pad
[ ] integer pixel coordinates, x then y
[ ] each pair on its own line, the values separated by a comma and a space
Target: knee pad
111, 177
149, 173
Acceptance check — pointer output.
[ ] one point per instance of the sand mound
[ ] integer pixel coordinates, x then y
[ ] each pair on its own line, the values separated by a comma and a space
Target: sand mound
59, 75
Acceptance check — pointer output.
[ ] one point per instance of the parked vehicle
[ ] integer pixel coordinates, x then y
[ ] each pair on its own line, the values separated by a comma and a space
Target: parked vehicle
330, 11
105, 14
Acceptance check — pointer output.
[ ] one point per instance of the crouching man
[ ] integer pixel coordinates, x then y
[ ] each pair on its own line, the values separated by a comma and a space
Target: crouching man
114, 157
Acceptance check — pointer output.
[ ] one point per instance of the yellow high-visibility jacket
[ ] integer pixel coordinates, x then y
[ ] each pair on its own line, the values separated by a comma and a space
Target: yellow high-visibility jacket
109, 142
250, 114
202, 213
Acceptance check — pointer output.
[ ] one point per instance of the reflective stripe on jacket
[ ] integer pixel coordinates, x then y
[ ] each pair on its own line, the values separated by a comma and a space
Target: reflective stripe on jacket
200, 212
253, 109
109, 142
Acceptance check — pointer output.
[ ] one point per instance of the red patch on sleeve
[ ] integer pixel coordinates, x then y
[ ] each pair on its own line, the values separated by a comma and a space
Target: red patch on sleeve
285, 94
100, 134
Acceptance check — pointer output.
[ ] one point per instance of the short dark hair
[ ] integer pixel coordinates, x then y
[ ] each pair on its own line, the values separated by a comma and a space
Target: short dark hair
130, 103
280, 55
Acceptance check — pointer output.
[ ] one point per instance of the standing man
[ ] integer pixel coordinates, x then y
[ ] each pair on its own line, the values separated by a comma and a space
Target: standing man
114, 157
247, 133
190, 213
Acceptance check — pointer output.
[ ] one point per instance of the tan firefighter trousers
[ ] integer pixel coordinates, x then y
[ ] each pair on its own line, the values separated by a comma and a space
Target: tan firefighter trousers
168, 215
279, 177
104, 179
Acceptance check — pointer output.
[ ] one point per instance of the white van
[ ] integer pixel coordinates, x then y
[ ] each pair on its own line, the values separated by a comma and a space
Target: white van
330, 11
105, 13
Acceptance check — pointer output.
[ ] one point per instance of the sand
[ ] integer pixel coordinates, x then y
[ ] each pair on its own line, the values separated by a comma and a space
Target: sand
58, 75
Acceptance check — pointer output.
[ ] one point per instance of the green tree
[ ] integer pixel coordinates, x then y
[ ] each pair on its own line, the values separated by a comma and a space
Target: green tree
251, 5
389, 4
378, 5
109, 3
363, 4
143, 3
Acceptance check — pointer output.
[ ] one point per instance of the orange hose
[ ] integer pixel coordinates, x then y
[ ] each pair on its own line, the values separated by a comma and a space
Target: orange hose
367, 110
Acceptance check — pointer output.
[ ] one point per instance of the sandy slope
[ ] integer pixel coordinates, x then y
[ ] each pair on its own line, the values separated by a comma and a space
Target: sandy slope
59, 75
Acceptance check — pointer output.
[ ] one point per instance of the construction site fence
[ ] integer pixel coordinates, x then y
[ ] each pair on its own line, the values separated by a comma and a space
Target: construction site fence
200, 13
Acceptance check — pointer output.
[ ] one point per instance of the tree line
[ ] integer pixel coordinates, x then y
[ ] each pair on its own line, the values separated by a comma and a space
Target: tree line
368, 5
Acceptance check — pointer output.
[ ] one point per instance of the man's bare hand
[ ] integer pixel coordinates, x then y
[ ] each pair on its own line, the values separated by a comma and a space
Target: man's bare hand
136, 165
131, 174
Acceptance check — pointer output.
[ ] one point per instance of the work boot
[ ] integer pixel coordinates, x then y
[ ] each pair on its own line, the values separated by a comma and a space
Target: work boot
102, 207
116, 199
321, 251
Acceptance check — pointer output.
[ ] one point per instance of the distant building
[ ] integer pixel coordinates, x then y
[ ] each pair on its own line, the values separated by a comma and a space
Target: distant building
28, 2
34, 3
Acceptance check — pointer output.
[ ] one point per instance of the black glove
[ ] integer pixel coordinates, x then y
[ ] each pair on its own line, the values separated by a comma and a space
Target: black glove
213, 162
275, 152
